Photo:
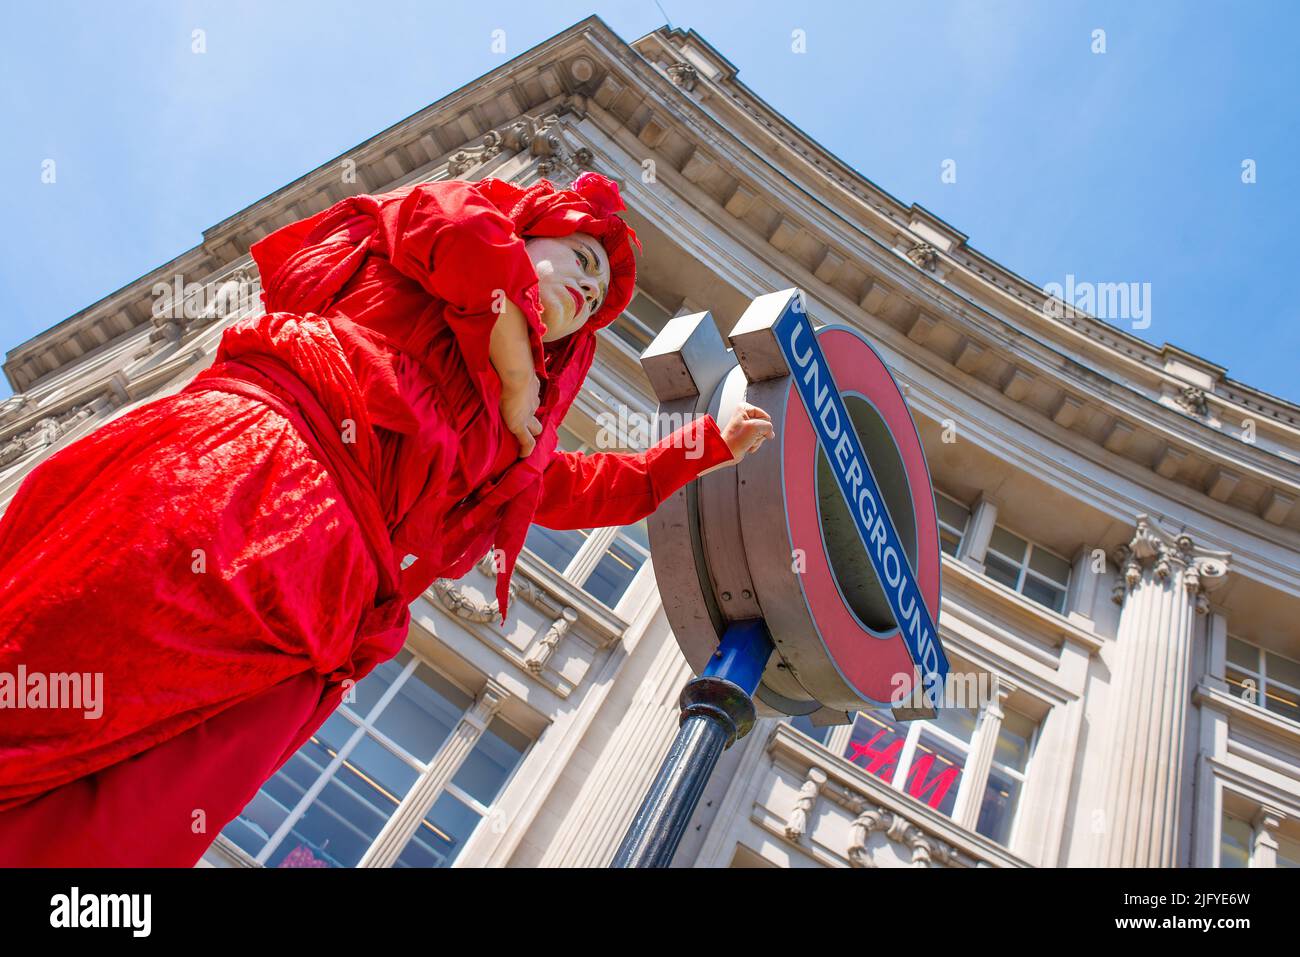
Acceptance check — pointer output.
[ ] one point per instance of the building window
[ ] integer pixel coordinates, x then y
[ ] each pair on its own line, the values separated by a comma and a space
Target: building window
1235, 842
1288, 853
603, 562
928, 761
1241, 844
1030, 569
619, 564
953, 518
558, 548
1263, 678
328, 803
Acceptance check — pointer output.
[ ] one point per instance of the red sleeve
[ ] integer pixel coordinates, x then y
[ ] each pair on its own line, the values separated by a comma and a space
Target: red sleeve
599, 489
454, 242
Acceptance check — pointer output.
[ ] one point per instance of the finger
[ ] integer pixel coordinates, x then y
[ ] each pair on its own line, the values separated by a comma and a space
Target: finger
534, 426
526, 443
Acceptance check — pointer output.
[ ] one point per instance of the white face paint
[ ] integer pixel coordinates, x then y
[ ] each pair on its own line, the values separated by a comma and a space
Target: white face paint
573, 280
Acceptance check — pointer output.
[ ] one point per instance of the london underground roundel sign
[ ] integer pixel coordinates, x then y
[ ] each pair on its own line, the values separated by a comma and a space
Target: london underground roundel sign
828, 533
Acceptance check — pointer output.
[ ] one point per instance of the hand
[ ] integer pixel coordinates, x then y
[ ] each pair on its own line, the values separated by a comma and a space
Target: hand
520, 399
747, 429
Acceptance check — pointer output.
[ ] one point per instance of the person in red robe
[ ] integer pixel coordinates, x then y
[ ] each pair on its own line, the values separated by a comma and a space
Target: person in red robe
225, 563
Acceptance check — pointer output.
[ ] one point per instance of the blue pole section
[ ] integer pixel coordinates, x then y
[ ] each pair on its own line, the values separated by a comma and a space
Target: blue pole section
716, 710
742, 655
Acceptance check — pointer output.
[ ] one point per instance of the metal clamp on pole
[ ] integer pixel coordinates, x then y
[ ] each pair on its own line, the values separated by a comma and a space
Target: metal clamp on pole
716, 711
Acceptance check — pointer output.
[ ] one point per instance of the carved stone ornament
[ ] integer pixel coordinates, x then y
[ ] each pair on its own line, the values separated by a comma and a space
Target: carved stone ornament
463, 606
925, 256
226, 298
684, 75
1168, 556
797, 825
541, 652
1193, 400
14, 406
540, 136
926, 849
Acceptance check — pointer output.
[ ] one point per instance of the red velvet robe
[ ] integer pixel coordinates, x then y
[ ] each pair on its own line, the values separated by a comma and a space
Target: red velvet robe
228, 558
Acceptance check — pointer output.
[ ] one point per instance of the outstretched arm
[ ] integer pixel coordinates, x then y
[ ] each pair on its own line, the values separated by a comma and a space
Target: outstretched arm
599, 489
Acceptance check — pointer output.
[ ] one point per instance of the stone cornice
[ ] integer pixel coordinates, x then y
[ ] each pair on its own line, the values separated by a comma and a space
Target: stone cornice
1132, 409
892, 214
698, 224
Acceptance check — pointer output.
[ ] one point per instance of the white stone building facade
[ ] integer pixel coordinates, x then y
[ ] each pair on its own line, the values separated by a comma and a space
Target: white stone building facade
1121, 531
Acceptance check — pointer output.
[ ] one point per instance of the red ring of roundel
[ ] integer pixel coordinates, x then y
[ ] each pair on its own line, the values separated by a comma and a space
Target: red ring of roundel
867, 662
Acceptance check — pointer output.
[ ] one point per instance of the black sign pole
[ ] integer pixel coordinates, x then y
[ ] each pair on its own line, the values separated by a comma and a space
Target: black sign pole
716, 711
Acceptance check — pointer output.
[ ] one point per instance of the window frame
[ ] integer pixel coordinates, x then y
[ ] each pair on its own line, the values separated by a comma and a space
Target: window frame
944, 526
1259, 675
363, 725
484, 811
1024, 571
629, 333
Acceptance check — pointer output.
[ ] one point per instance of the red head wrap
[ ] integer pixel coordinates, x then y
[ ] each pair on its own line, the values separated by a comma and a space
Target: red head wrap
588, 206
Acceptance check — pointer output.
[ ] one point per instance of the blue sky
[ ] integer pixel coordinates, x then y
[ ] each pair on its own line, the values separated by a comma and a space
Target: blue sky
1122, 166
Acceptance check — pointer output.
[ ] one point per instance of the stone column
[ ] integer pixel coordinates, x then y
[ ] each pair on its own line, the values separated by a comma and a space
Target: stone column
1162, 592
966, 812
429, 786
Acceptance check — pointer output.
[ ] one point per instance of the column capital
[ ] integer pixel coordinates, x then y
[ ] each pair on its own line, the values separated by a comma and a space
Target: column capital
1268, 819
489, 700
1167, 555
1264, 847
1002, 690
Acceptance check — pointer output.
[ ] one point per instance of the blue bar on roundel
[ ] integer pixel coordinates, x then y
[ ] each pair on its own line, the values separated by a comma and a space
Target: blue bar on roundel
802, 353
